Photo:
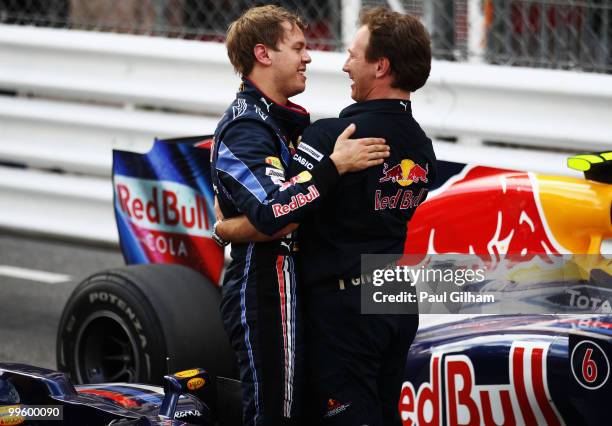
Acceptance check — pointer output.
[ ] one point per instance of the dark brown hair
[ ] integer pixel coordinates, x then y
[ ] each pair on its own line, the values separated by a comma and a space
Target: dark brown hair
404, 41
257, 25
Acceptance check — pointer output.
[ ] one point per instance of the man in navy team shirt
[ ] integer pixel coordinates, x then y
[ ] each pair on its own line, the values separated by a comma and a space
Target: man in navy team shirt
355, 362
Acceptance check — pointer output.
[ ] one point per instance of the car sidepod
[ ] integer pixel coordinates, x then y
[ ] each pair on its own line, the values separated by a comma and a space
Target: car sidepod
507, 370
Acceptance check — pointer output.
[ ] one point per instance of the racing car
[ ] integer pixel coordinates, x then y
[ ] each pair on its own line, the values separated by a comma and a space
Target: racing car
498, 370
38, 396
122, 324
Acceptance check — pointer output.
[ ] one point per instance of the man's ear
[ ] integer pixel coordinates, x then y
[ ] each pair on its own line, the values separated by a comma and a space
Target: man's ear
383, 67
261, 54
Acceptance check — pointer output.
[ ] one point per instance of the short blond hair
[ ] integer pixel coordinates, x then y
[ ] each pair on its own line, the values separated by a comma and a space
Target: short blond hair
258, 25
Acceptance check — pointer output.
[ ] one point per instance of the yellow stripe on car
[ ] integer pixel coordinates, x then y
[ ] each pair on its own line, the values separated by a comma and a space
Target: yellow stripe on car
583, 162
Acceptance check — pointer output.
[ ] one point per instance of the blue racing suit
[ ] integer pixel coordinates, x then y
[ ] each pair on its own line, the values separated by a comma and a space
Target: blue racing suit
260, 310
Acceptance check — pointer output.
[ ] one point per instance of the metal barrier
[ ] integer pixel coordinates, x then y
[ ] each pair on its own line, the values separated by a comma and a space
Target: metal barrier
69, 97
67, 206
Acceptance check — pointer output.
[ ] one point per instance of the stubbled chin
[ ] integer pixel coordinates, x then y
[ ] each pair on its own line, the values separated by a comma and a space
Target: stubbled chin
299, 88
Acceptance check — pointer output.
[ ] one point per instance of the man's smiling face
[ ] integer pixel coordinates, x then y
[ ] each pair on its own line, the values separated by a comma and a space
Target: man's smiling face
362, 72
289, 61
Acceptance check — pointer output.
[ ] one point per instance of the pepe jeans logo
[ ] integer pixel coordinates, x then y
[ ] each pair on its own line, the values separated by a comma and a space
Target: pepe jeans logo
334, 408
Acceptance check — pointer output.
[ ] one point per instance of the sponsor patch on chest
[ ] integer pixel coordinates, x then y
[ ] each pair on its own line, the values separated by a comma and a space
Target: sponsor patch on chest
304, 162
304, 147
272, 172
275, 162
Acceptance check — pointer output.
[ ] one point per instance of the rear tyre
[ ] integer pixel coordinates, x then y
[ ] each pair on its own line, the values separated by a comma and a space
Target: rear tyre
120, 324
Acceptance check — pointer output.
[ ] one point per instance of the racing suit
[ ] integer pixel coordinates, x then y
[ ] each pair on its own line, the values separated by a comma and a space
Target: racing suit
355, 362
259, 305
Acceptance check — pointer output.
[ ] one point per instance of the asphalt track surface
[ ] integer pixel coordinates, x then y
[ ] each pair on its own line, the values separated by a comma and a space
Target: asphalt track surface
36, 278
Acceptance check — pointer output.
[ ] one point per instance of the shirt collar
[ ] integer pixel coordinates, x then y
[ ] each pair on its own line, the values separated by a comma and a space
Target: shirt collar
377, 105
292, 118
249, 88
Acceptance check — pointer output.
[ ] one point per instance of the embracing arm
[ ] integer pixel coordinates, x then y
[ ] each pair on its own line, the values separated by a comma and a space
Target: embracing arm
240, 230
248, 166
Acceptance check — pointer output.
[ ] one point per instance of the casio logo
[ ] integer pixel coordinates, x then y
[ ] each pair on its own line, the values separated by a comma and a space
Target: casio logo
304, 162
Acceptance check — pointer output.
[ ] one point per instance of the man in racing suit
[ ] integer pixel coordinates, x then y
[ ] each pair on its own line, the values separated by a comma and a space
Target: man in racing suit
249, 161
355, 362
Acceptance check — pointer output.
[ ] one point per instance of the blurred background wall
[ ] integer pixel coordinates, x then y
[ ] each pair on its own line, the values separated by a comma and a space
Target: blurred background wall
557, 34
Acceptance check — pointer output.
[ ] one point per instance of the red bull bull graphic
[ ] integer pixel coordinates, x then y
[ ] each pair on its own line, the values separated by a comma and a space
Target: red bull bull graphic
488, 212
300, 178
405, 173
453, 394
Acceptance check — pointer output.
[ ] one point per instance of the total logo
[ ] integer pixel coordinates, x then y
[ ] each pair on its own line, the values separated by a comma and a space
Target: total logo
452, 393
405, 173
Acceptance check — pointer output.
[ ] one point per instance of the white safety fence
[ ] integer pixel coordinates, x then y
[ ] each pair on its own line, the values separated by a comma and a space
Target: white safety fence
71, 97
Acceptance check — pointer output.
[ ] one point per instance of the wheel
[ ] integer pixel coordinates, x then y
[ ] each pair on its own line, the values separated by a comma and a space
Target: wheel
120, 325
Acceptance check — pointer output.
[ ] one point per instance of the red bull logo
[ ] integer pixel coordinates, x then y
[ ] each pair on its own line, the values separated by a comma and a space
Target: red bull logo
170, 221
163, 206
453, 393
296, 202
405, 173
488, 212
